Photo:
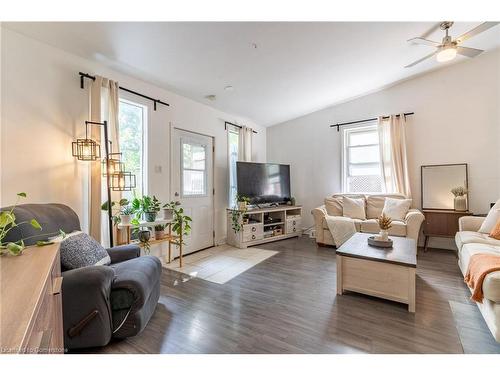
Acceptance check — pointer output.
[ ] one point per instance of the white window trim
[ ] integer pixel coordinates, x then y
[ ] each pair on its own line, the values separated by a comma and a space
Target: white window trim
344, 154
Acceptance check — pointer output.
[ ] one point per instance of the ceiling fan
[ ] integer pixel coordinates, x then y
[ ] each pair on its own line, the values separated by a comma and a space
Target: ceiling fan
448, 48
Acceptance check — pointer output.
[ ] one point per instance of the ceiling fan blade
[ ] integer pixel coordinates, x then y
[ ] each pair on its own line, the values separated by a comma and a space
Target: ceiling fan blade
420, 60
469, 52
477, 30
431, 30
423, 41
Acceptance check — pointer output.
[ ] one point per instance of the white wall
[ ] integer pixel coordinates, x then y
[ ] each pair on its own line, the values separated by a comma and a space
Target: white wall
44, 109
456, 120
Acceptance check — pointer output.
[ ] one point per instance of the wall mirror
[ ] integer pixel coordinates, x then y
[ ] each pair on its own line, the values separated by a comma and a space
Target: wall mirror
437, 182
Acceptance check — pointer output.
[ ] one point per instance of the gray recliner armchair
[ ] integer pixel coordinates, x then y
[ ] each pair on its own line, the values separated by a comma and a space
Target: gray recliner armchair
99, 302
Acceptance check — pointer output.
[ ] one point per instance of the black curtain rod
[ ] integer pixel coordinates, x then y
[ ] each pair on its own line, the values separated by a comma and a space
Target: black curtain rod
238, 126
367, 120
85, 75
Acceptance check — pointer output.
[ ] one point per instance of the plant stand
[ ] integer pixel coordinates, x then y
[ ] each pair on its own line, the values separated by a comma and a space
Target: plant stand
170, 238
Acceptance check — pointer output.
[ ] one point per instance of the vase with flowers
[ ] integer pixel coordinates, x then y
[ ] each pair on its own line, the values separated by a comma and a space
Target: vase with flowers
384, 223
460, 200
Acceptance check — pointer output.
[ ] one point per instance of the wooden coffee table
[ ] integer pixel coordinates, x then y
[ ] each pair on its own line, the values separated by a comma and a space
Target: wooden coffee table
384, 273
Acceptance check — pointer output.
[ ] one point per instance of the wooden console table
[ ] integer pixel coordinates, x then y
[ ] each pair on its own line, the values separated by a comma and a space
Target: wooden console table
441, 223
169, 238
31, 302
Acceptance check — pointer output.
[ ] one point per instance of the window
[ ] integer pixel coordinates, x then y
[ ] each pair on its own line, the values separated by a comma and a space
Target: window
361, 160
132, 121
233, 140
194, 169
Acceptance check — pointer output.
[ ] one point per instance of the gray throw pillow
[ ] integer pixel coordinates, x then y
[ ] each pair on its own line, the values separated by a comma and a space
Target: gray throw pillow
80, 250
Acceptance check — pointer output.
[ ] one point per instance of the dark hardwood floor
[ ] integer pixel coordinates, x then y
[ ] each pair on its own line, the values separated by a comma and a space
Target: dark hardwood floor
288, 304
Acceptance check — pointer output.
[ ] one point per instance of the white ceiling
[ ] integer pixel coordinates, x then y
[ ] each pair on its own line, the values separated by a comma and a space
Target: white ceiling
297, 67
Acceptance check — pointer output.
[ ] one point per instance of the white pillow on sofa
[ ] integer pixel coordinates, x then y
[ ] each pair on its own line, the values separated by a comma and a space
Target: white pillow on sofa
353, 208
396, 209
491, 219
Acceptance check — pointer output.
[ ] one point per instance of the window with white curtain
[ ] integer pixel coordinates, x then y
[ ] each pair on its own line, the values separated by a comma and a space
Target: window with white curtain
361, 171
233, 141
132, 126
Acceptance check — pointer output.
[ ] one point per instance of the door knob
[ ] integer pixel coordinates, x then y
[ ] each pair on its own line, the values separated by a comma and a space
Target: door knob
176, 194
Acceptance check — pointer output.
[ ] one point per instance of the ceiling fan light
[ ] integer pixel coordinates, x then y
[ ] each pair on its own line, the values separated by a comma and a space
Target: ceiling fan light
446, 54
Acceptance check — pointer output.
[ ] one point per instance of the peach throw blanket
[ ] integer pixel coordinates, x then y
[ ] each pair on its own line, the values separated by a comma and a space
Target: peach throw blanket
479, 266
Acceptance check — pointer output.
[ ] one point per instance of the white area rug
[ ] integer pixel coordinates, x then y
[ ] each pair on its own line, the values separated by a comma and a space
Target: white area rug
220, 264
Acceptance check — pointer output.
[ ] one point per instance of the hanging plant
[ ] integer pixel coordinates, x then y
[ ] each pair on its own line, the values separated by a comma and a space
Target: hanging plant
8, 222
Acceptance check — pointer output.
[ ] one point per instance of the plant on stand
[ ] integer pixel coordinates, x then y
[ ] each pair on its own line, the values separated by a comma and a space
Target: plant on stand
384, 223
147, 206
181, 224
144, 236
8, 222
116, 208
168, 209
460, 200
126, 213
160, 231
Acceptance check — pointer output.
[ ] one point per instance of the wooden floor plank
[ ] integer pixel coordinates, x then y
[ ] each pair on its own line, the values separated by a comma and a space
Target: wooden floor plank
288, 304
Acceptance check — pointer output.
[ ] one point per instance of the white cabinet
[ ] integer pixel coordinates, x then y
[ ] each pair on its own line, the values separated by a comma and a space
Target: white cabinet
260, 225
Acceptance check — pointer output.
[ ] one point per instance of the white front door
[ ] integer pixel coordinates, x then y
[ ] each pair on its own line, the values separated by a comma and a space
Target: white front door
192, 185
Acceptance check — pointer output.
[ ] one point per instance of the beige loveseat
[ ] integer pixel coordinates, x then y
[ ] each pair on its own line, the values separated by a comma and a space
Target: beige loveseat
410, 227
469, 242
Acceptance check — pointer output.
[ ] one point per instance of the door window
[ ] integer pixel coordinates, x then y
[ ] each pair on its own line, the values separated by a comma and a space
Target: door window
193, 169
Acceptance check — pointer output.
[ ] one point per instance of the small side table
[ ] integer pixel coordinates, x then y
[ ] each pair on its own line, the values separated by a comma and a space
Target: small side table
441, 223
170, 238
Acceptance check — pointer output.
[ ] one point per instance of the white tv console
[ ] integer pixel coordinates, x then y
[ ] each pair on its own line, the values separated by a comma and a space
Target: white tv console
257, 228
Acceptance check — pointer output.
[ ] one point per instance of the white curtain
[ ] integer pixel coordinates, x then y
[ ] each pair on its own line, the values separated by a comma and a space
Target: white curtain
393, 159
245, 146
104, 101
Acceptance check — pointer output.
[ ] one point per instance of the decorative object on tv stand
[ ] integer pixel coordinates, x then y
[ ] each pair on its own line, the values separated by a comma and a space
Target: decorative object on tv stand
238, 212
243, 202
168, 209
146, 206
8, 222
384, 223
460, 200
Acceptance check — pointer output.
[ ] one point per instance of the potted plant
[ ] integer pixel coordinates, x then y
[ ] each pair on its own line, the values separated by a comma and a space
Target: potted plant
8, 222
238, 213
160, 231
168, 209
146, 206
116, 209
243, 202
460, 200
384, 223
144, 235
181, 223
126, 213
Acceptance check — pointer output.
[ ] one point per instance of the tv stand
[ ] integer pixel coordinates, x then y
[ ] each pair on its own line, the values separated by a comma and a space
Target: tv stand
261, 225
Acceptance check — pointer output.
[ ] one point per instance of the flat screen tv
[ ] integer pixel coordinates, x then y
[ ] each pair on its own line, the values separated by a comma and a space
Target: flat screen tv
263, 182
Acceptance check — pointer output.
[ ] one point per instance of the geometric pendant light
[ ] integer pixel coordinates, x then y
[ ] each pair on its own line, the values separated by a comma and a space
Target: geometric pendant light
86, 149
122, 181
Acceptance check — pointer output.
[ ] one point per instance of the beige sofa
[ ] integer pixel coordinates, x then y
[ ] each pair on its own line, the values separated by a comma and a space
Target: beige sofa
469, 242
410, 227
